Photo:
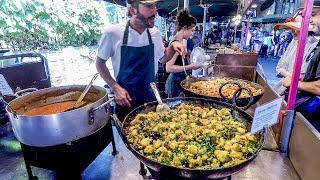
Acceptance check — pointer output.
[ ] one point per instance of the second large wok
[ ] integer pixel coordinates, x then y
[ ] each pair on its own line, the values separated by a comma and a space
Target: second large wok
239, 102
187, 172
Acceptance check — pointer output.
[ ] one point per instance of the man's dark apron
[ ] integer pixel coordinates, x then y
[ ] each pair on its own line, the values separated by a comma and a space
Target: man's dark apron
136, 73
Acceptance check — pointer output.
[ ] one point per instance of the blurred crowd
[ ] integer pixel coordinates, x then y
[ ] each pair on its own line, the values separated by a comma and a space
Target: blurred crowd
273, 43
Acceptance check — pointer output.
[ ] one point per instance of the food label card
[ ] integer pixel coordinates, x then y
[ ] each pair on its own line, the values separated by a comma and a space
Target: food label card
5, 89
266, 115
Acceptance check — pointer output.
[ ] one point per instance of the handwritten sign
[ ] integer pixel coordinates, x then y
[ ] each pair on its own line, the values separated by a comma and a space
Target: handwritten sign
5, 89
266, 115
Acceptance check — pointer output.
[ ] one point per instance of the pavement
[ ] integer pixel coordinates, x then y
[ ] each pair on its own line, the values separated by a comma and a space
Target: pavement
269, 65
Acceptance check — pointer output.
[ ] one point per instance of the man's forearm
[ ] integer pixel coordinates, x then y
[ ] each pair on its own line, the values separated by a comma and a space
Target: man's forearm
311, 87
168, 54
105, 74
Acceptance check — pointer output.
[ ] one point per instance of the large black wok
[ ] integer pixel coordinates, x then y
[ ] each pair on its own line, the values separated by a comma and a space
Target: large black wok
245, 103
186, 172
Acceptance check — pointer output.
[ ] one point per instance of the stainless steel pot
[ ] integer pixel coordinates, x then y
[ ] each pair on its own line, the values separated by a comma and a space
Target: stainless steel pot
63, 127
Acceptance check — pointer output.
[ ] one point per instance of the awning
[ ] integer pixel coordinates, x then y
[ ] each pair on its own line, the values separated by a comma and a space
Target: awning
218, 8
279, 18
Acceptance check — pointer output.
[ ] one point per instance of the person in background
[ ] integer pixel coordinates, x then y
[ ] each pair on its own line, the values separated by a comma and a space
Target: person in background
224, 36
308, 96
215, 34
201, 29
196, 42
288, 36
286, 63
275, 43
190, 45
264, 48
258, 40
238, 34
210, 39
231, 36
198, 34
271, 47
185, 26
135, 47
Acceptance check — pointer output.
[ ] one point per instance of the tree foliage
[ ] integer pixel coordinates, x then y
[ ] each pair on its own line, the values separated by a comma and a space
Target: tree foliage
29, 24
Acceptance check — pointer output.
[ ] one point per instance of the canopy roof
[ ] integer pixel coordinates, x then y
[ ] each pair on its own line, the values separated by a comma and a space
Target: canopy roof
218, 8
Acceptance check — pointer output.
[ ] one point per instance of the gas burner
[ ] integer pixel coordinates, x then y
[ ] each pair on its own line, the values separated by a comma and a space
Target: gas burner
70, 159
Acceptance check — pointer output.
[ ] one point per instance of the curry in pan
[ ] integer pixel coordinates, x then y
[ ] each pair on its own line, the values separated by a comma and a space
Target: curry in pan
211, 88
191, 136
52, 108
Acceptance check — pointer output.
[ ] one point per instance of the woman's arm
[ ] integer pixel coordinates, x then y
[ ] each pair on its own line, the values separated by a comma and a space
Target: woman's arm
172, 68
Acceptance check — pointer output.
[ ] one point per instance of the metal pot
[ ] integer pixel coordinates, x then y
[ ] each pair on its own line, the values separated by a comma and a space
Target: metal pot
218, 173
60, 128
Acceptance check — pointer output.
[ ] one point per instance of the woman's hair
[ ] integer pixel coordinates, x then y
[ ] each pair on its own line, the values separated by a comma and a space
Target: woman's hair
184, 18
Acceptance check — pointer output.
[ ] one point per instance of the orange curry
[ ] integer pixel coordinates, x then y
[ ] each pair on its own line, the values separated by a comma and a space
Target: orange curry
52, 108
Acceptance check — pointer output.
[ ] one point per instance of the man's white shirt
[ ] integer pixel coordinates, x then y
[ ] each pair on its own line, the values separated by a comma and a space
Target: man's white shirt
111, 42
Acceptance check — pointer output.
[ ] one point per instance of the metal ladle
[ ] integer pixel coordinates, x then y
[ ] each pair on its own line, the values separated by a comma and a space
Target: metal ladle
83, 94
161, 107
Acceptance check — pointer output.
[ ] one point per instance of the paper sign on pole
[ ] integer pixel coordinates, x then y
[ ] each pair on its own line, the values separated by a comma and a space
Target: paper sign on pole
266, 115
5, 89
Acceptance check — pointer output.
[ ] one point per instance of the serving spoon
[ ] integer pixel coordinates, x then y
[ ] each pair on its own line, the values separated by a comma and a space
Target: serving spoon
161, 107
83, 94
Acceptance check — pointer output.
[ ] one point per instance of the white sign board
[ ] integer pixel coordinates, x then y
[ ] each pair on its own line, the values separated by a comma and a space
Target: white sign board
5, 89
266, 115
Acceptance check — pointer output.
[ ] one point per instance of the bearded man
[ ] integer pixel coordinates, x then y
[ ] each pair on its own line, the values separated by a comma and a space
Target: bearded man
308, 96
135, 47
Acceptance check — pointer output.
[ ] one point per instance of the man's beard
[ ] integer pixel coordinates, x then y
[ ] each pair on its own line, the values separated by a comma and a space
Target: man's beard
145, 22
316, 29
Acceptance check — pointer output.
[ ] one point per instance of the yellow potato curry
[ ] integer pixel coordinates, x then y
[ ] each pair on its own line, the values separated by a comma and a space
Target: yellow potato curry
211, 88
191, 136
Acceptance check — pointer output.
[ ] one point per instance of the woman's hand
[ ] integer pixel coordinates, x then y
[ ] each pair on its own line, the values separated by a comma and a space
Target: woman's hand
195, 66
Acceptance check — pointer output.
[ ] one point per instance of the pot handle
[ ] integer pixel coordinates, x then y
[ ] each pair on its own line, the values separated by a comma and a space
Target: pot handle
229, 82
119, 126
237, 94
91, 121
7, 104
21, 92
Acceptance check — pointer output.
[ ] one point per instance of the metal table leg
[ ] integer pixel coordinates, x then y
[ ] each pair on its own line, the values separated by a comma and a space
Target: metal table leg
28, 166
142, 171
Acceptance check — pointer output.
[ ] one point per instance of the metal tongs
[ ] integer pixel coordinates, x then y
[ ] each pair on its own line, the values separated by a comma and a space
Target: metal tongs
184, 67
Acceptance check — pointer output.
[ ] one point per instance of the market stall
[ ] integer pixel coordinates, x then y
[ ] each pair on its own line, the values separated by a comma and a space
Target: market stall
70, 151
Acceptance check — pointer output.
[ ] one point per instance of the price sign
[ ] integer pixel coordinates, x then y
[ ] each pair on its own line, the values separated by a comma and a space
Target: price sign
5, 89
266, 115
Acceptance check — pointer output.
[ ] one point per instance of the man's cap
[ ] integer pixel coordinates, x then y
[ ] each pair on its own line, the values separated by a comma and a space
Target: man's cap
144, 1
314, 7
292, 23
316, 4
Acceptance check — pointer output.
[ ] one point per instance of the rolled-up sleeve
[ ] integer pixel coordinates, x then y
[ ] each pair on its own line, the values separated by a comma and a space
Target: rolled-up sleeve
106, 46
158, 46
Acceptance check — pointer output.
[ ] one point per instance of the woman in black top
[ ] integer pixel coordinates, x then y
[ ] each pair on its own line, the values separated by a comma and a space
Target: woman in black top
184, 27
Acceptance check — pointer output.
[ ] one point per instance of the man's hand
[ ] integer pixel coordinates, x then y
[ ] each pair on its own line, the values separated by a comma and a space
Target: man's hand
179, 47
286, 82
122, 96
